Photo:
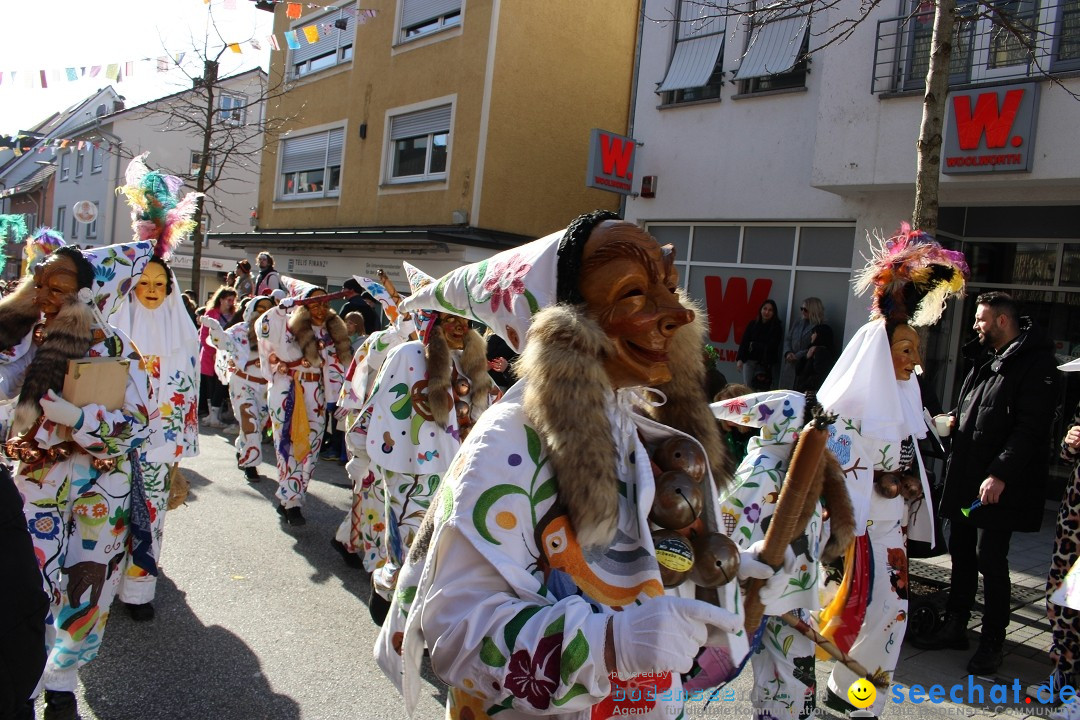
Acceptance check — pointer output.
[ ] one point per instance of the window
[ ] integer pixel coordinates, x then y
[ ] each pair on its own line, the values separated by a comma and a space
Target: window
311, 165
232, 109
422, 17
80, 156
95, 159
1067, 40
775, 56
65, 165
74, 228
696, 70
196, 163
919, 34
91, 228
61, 218
418, 145
336, 29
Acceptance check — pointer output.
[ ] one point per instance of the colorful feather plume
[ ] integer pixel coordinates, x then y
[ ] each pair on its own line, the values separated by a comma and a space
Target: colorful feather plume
40, 245
157, 215
912, 276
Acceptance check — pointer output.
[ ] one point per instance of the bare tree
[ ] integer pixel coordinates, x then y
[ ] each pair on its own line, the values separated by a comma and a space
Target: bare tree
1011, 25
234, 128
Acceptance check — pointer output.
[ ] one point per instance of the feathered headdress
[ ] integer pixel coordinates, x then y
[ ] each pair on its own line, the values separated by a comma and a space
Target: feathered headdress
156, 213
912, 277
40, 245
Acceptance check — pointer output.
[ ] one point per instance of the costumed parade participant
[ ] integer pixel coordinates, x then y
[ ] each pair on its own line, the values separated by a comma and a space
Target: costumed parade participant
876, 393
428, 394
154, 317
303, 354
360, 537
534, 582
77, 466
237, 348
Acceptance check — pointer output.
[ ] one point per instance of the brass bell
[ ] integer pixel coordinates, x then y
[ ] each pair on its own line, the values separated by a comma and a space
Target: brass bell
30, 454
887, 484
462, 387
674, 555
678, 453
678, 500
103, 464
716, 560
464, 412
910, 488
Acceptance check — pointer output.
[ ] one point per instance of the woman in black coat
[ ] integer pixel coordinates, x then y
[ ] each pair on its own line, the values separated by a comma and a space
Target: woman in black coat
759, 351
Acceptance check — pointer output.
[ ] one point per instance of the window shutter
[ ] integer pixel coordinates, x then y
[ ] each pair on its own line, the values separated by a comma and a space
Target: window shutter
337, 143
304, 153
330, 37
692, 63
424, 122
416, 12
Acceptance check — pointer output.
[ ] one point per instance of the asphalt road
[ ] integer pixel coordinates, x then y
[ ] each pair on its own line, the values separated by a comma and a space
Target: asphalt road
259, 621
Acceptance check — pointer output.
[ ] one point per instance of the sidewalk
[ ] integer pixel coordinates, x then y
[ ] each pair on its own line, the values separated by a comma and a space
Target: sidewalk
1027, 641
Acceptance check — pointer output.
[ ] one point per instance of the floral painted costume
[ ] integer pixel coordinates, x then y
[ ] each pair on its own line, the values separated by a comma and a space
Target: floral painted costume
406, 449
363, 529
78, 509
297, 399
524, 634
247, 388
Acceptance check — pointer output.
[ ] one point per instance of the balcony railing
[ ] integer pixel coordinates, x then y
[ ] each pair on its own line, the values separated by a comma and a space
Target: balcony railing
992, 42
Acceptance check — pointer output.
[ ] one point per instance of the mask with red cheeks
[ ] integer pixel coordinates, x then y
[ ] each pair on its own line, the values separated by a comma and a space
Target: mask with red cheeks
628, 281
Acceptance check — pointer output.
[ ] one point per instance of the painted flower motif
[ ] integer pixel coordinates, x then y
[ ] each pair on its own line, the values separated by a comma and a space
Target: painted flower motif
44, 526
505, 280
734, 405
535, 679
378, 527
103, 273
753, 513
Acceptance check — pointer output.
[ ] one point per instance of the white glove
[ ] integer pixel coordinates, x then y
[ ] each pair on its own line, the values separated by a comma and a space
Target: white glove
287, 302
775, 581
59, 410
665, 634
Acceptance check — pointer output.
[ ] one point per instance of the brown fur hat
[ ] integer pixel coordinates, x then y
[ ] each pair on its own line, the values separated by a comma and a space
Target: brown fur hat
687, 406
18, 314
69, 337
566, 388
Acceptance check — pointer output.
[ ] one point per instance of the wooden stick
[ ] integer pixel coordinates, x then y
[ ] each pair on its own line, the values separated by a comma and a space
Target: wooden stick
806, 630
784, 527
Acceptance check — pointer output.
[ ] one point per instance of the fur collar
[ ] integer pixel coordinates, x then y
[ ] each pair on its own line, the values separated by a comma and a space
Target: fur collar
299, 324
565, 393
440, 371
69, 337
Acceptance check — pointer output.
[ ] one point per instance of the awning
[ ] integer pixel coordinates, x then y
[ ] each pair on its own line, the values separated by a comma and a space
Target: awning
371, 238
774, 47
693, 62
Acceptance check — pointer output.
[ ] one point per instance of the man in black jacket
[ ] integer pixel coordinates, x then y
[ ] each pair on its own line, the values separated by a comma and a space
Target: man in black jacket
1000, 457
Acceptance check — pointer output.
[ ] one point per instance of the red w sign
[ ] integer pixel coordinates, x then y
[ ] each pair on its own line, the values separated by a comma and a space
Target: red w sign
990, 129
731, 310
611, 162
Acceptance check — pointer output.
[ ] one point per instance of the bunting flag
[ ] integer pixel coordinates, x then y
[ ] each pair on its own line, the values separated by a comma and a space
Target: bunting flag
311, 33
235, 47
290, 39
272, 39
293, 10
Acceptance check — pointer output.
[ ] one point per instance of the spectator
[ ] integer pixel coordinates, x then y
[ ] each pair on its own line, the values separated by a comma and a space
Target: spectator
797, 340
812, 369
1065, 618
244, 284
189, 305
354, 323
269, 279
230, 279
759, 351
500, 360
357, 302
998, 457
212, 392
735, 436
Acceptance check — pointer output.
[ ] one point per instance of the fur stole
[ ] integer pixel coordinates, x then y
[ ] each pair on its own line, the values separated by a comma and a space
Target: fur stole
687, 406
440, 395
299, 325
69, 337
565, 399
18, 314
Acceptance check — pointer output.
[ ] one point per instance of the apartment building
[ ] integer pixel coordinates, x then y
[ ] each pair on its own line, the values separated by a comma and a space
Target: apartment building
437, 131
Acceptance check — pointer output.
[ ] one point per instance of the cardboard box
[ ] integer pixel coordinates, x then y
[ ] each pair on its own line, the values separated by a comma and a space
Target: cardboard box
97, 381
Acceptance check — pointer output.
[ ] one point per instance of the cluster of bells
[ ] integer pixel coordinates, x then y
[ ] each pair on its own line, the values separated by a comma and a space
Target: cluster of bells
890, 484
25, 450
685, 548
282, 367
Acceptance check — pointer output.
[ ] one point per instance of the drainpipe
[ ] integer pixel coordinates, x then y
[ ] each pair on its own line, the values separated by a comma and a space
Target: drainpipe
633, 89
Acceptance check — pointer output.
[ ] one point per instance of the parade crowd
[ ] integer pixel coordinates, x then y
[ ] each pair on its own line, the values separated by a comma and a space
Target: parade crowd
557, 498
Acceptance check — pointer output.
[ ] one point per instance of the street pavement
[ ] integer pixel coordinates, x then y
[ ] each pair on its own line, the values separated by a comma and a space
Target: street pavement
260, 621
